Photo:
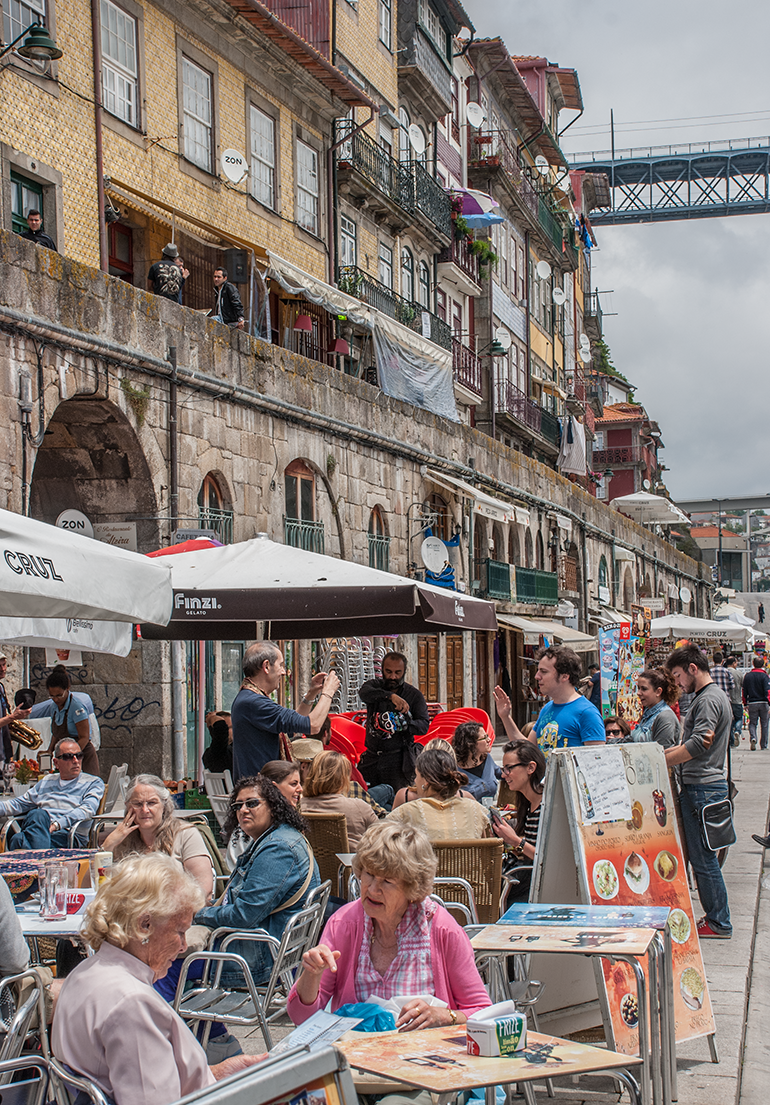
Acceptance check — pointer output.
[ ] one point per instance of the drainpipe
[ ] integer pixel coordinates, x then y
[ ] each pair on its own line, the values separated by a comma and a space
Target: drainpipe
528, 290
97, 63
331, 192
583, 554
178, 688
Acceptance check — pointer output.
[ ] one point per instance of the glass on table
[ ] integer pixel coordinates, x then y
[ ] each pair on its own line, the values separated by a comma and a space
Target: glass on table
53, 892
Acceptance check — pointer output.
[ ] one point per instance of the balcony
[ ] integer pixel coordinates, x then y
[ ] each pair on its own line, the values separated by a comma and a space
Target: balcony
427, 200
466, 365
494, 579
619, 454
460, 267
509, 400
355, 281
592, 316
368, 174
536, 586
303, 535
550, 427
379, 552
425, 76
221, 521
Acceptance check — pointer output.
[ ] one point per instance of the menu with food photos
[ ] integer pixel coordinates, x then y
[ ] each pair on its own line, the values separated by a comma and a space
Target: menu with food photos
639, 862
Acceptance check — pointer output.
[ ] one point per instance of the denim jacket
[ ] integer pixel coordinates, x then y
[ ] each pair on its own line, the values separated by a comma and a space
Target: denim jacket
268, 873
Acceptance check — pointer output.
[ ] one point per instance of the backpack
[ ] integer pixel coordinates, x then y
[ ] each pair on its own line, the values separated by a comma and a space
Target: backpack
168, 279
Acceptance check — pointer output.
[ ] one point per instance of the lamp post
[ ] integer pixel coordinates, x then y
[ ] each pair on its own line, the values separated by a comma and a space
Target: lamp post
39, 45
493, 350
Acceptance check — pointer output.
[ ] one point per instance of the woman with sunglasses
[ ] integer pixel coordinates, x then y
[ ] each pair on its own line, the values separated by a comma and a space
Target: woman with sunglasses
523, 772
272, 878
472, 745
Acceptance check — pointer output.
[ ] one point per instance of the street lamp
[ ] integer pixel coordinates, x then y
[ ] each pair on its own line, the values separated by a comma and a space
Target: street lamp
39, 45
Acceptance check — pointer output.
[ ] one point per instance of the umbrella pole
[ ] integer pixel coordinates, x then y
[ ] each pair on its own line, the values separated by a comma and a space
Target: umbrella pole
201, 719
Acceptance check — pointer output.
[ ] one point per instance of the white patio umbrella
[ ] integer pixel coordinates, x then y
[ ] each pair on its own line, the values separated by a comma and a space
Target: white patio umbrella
87, 635
674, 626
733, 613
644, 507
46, 572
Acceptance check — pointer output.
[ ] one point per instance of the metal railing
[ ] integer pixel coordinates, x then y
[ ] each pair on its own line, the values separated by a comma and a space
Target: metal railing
724, 145
466, 365
459, 253
420, 54
379, 552
428, 197
619, 454
303, 535
592, 309
509, 400
494, 579
550, 427
355, 281
536, 586
221, 521
389, 176
494, 148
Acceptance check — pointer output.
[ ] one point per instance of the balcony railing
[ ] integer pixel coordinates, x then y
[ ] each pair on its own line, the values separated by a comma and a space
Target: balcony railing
304, 535
592, 312
619, 454
494, 579
550, 428
220, 521
359, 151
536, 586
467, 367
509, 400
420, 54
459, 253
428, 197
379, 552
356, 282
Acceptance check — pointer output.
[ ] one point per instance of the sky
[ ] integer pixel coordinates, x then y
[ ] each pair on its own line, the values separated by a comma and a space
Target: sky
692, 297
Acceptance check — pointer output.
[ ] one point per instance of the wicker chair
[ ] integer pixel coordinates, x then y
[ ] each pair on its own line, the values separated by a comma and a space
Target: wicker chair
328, 835
479, 862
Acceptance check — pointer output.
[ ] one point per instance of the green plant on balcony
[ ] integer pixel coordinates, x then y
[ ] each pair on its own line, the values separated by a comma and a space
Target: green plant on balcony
407, 313
352, 283
483, 252
462, 230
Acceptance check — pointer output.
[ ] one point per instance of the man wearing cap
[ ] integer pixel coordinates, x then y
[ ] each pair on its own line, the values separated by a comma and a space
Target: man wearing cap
305, 751
7, 715
165, 277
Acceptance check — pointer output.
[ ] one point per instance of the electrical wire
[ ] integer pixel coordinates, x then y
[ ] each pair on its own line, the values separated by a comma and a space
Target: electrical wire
681, 119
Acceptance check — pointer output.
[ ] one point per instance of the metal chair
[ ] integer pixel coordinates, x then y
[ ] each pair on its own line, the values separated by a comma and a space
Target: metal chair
217, 782
327, 834
23, 1020
250, 1005
64, 1082
478, 862
30, 1091
319, 896
467, 907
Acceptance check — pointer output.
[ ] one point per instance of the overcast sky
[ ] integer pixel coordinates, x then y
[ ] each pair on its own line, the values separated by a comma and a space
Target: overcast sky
692, 298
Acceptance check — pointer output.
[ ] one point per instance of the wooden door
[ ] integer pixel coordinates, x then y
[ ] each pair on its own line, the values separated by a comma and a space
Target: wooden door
427, 667
454, 671
482, 679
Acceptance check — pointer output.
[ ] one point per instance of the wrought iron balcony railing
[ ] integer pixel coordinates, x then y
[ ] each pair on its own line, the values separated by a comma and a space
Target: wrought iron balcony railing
550, 428
304, 535
428, 197
356, 282
619, 454
536, 586
459, 253
466, 365
221, 521
379, 552
361, 153
509, 400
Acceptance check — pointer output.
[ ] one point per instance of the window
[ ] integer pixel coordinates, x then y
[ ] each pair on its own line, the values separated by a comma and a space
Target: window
404, 146
212, 512
385, 257
120, 71
455, 109
425, 286
121, 256
429, 18
386, 23
440, 302
300, 492
197, 114
603, 577
386, 137
457, 319
348, 241
262, 157
407, 274
19, 14
379, 542
26, 195
307, 187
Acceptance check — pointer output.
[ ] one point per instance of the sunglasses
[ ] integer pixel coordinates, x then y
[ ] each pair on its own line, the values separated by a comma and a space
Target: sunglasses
250, 804
71, 756
508, 768
614, 732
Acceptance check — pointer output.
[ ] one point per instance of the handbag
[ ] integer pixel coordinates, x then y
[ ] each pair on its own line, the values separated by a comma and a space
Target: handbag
717, 824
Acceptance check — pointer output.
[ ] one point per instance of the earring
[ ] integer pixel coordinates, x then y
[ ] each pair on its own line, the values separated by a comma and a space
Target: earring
146, 940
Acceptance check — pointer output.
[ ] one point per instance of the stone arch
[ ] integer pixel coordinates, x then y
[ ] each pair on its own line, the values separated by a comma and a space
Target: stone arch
306, 535
514, 548
539, 551
529, 555
91, 459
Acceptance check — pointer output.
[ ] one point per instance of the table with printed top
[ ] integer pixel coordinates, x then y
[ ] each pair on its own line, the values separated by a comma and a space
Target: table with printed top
624, 934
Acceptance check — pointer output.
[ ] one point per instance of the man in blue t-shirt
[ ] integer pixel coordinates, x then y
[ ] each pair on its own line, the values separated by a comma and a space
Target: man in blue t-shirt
569, 719
258, 721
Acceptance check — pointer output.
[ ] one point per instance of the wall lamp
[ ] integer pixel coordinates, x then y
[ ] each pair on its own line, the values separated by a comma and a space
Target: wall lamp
39, 45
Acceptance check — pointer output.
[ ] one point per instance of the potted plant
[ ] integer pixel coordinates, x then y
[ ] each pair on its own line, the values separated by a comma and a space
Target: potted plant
24, 776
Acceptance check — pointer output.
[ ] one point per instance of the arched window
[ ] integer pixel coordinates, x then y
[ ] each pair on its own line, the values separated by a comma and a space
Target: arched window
407, 274
212, 511
379, 542
301, 529
540, 551
528, 551
404, 147
513, 545
210, 496
424, 290
603, 578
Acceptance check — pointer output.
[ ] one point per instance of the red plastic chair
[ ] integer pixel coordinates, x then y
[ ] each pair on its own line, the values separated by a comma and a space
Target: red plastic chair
444, 725
350, 730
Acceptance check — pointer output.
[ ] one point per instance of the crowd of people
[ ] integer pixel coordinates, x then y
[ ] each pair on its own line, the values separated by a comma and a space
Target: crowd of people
121, 1030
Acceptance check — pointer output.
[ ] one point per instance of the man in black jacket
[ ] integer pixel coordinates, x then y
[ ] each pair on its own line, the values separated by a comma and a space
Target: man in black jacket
396, 713
36, 233
756, 686
227, 303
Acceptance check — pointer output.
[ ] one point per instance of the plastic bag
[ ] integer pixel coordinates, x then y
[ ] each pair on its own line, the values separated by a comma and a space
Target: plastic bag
373, 1018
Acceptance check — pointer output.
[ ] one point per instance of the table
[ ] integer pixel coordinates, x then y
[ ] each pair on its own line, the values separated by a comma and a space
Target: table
613, 933
436, 1059
33, 926
19, 869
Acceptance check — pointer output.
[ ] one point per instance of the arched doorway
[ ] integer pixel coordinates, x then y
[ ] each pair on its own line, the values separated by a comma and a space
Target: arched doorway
628, 589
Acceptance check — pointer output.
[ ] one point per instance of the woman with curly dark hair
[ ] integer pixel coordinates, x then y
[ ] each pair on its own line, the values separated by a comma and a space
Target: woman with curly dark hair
272, 878
472, 744
657, 692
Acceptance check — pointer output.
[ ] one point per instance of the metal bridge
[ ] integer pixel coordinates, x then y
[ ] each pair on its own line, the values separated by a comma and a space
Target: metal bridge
693, 181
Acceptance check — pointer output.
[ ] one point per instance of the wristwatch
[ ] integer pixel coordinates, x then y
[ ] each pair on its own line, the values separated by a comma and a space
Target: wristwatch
453, 1015
519, 849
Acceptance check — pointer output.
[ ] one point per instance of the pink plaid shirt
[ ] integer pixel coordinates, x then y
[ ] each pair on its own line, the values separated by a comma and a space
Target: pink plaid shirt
410, 972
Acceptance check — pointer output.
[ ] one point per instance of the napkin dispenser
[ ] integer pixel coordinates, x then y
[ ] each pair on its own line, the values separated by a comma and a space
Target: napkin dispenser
498, 1030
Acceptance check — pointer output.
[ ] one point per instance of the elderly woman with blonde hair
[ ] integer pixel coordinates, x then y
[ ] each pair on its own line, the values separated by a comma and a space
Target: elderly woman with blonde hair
110, 1024
393, 941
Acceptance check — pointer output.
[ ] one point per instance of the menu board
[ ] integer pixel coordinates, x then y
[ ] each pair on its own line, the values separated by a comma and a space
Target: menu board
602, 787
639, 862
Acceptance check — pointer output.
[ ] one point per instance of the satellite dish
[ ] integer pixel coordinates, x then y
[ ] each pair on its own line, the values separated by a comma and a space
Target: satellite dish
646, 485
685, 594
559, 295
543, 270
585, 341
417, 139
434, 554
234, 165
541, 164
505, 339
585, 355
475, 114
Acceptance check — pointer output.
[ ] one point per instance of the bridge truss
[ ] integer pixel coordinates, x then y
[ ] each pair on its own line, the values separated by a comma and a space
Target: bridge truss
696, 181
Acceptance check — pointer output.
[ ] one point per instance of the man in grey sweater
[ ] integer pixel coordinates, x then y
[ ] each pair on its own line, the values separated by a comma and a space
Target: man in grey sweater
701, 756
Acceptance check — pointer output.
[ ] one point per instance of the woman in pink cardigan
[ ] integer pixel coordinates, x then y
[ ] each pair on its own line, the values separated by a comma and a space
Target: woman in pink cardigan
393, 941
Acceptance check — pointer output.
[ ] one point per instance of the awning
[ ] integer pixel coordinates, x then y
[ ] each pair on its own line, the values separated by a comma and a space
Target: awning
646, 508
483, 503
298, 282
114, 638
533, 629
675, 626
624, 554
608, 615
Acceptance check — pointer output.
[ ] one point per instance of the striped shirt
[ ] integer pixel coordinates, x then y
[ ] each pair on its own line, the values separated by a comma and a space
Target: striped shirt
67, 803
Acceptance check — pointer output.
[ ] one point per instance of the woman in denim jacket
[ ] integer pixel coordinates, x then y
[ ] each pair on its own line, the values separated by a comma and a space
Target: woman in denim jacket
272, 878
